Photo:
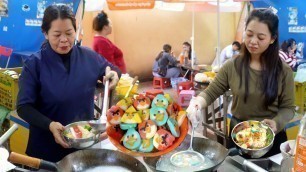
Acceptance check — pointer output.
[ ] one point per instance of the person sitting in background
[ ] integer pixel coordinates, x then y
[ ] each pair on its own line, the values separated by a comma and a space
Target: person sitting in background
165, 64
102, 45
228, 52
187, 53
287, 53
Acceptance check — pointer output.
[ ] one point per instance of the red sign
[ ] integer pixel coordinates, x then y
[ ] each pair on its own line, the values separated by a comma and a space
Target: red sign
130, 4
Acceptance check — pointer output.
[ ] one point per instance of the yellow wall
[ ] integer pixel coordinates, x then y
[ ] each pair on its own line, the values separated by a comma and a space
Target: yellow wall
141, 33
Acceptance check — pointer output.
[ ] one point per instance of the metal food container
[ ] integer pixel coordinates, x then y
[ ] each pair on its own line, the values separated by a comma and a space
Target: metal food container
253, 153
81, 143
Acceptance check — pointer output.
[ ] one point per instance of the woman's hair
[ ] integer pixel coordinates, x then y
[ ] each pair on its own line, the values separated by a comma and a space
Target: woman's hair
190, 49
286, 44
166, 48
270, 61
237, 44
100, 21
54, 12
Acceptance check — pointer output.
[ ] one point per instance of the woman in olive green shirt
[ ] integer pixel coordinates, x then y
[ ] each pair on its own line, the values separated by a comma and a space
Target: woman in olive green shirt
261, 84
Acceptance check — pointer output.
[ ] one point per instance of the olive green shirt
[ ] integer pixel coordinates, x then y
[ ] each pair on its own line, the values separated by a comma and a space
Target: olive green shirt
282, 109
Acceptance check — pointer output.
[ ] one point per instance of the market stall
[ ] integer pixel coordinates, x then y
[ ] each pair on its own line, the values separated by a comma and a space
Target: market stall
145, 130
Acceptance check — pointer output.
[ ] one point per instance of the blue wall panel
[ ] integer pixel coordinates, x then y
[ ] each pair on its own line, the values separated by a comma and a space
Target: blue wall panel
283, 10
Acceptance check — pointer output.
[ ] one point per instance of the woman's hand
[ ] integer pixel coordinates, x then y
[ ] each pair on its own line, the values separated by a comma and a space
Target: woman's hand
103, 136
56, 129
271, 123
196, 102
194, 110
112, 76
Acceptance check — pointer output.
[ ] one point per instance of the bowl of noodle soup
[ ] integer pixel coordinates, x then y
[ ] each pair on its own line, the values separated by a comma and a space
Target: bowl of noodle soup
252, 138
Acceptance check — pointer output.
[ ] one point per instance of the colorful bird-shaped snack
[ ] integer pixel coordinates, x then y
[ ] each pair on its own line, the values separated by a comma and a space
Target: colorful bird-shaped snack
145, 114
125, 103
131, 139
158, 115
180, 117
147, 129
124, 126
115, 132
160, 101
173, 126
114, 115
146, 145
173, 109
142, 102
131, 116
168, 97
162, 139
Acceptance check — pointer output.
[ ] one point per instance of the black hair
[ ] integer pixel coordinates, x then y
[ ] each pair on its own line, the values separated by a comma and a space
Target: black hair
286, 44
270, 62
166, 48
100, 21
190, 49
54, 12
237, 44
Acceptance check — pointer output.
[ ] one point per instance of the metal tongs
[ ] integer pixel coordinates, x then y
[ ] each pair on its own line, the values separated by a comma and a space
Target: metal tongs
99, 125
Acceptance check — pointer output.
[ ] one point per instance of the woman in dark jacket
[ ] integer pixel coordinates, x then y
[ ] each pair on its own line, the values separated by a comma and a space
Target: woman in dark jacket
57, 85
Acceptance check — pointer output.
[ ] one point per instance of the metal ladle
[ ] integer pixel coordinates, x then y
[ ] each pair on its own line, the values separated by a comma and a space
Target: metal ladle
99, 125
193, 158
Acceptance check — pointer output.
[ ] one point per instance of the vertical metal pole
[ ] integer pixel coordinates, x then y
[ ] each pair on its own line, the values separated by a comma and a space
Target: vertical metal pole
192, 39
205, 112
218, 36
213, 117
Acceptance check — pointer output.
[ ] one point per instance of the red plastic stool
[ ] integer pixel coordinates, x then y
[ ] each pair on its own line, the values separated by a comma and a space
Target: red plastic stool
153, 92
185, 97
161, 82
187, 85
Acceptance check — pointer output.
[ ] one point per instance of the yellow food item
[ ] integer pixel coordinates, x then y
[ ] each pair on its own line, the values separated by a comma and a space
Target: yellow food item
253, 137
210, 74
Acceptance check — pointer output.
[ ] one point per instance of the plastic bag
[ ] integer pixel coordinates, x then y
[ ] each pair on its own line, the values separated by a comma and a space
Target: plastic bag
175, 81
301, 73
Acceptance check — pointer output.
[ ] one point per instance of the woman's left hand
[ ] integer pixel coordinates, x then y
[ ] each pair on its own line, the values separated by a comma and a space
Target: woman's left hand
271, 123
112, 76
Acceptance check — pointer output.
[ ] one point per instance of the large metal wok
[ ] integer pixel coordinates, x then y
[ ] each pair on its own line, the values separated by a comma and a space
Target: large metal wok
84, 160
213, 151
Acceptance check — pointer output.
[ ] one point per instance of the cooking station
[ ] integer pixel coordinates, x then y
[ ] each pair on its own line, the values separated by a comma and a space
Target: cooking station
210, 149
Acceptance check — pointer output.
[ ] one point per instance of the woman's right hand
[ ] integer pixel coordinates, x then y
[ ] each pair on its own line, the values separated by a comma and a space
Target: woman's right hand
196, 102
56, 129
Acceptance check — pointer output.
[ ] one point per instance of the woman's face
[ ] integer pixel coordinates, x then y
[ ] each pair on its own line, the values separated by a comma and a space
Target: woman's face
186, 48
293, 46
61, 35
257, 38
109, 27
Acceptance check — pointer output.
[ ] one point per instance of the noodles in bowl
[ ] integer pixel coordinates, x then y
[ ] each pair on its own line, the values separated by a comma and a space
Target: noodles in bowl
253, 138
